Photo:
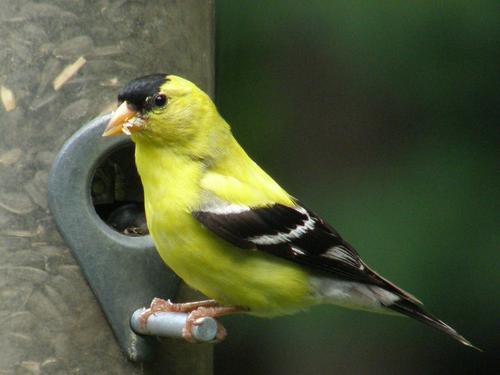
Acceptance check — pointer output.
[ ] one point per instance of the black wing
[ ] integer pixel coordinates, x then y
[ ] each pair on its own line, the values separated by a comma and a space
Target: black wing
293, 233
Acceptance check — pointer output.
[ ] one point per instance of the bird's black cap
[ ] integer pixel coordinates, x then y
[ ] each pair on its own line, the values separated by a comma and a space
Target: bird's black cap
136, 91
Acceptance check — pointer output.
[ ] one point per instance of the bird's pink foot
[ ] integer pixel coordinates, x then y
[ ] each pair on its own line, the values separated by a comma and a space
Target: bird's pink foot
202, 312
161, 305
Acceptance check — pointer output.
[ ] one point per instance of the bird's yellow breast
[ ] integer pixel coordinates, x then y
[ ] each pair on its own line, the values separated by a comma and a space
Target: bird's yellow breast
265, 284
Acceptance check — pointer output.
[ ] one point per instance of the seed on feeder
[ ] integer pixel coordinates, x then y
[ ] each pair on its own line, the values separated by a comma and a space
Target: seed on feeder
68, 72
8, 98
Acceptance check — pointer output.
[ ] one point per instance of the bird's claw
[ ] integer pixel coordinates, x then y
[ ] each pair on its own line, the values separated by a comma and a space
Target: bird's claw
195, 318
157, 305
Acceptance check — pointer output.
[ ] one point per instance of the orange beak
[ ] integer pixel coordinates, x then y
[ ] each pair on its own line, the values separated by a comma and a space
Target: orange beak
120, 121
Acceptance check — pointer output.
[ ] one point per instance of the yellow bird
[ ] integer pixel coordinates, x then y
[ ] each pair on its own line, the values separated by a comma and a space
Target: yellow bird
227, 228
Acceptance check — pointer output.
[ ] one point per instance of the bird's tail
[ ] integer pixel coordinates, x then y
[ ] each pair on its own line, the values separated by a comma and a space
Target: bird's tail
413, 310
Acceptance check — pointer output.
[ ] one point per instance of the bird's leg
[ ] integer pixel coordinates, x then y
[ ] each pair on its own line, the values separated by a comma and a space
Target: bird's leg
161, 305
213, 312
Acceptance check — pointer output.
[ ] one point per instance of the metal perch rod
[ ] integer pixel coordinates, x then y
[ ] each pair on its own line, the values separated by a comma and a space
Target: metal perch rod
170, 324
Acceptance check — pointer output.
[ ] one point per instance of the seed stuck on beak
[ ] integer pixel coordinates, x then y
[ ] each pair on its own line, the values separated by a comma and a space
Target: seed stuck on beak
123, 120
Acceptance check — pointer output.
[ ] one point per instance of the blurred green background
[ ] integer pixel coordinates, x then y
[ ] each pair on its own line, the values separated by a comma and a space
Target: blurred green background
382, 117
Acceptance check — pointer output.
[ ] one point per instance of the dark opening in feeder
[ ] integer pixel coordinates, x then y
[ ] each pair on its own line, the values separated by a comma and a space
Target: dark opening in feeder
117, 194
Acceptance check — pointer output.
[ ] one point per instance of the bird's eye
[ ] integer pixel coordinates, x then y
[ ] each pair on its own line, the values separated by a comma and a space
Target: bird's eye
160, 100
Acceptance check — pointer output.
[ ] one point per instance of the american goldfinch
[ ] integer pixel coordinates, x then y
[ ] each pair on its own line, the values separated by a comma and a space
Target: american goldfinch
227, 228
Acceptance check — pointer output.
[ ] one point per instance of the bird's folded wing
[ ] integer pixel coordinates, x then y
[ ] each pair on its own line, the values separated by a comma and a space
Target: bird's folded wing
293, 233
288, 231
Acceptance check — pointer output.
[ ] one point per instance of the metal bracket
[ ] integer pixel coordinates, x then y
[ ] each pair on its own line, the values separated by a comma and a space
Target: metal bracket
124, 272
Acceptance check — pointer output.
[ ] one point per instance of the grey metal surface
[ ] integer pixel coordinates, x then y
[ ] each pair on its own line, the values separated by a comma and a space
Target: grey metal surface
124, 272
171, 324
50, 320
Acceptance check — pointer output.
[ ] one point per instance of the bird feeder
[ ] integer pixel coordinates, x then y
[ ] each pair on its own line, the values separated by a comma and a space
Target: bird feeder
68, 291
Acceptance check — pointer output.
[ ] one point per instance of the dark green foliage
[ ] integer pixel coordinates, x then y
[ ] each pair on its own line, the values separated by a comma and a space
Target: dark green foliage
383, 118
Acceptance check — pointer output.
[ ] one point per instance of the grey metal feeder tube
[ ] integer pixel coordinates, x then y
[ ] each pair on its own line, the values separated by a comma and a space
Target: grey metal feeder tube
61, 65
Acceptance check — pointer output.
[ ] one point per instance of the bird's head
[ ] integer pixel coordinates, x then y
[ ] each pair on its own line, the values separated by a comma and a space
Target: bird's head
166, 110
